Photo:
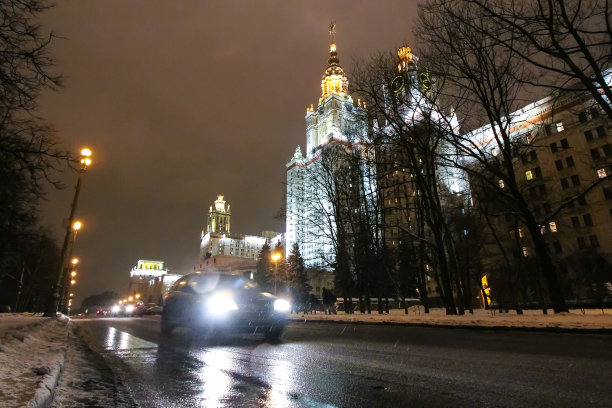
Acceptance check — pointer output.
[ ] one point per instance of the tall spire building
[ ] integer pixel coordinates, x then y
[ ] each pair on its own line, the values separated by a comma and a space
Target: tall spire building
333, 121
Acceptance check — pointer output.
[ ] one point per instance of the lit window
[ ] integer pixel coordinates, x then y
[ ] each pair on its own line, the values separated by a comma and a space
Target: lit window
529, 175
521, 233
525, 251
501, 184
601, 173
553, 226
560, 127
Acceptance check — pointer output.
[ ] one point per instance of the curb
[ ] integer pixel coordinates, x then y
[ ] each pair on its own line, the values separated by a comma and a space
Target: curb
44, 393
462, 326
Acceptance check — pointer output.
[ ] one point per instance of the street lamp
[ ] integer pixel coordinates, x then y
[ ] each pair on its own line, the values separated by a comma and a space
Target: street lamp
55, 297
275, 257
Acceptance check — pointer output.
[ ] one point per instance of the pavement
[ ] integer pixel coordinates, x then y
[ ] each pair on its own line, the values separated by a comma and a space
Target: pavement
44, 362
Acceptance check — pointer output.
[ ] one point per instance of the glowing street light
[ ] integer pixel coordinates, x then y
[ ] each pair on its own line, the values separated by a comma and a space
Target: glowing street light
275, 257
56, 295
72, 282
73, 274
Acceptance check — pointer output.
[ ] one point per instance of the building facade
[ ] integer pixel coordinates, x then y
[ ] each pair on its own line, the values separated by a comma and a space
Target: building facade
564, 169
222, 251
150, 281
309, 222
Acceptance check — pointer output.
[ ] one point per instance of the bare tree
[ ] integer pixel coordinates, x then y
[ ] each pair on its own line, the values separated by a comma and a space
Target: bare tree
29, 152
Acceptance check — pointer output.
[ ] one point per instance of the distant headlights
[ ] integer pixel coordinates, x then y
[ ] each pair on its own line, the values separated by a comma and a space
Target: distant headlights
221, 303
281, 305
129, 308
116, 309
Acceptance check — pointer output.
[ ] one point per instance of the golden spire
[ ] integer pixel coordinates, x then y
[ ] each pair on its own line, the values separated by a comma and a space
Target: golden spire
334, 80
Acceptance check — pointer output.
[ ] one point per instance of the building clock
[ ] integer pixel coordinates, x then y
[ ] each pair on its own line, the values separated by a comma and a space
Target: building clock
424, 80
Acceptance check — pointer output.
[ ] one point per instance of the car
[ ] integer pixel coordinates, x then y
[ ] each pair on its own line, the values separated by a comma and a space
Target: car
223, 304
101, 312
133, 309
152, 309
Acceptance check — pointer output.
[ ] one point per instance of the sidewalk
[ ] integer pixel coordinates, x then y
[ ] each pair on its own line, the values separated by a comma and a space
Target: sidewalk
592, 320
44, 364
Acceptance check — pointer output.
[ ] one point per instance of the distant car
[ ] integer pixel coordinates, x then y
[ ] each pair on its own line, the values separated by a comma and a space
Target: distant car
101, 312
133, 309
223, 304
152, 308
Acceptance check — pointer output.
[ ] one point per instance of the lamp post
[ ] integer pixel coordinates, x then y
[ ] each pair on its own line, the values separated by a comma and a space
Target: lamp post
64, 306
54, 299
275, 257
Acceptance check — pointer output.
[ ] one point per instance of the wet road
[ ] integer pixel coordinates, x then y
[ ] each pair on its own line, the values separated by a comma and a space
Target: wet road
336, 365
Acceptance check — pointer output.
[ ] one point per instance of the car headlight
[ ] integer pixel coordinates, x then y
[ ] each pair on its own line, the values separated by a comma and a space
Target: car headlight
221, 303
281, 305
116, 309
129, 308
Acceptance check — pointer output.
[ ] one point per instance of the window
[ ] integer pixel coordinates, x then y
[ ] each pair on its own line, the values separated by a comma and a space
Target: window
560, 127
601, 132
564, 144
557, 247
533, 155
582, 117
594, 113
521, 233
548, 130
537, 172
582, 200
587, 220
529, 175
559, 164
588, 135
553, 148
595, 153
564, 183
529, 137
542, 189
525, 251
594, 241
602, 173
494, 151
607, 193
570, 161
607, 150
553, 226
501, 183
524, 158
575, 222
575, 180
581, 242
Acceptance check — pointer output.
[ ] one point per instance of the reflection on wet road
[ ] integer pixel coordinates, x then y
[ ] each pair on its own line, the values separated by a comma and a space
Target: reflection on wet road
325, 365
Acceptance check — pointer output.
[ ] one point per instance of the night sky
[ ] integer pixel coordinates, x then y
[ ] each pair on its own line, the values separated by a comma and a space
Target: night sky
183, 100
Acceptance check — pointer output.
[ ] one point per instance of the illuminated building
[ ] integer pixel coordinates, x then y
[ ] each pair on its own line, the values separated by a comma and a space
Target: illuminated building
150, 280
332, 123
564, 148
224, 252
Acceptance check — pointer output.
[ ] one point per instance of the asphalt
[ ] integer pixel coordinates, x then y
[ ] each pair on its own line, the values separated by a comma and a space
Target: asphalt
43, 396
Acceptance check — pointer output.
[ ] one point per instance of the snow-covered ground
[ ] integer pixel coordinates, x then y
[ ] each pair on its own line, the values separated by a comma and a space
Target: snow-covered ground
42, 356
590, 319
43, 363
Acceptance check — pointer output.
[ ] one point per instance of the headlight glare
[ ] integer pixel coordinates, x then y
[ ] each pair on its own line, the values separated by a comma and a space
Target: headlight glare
116, 309
129, 308
281, 305
221, 303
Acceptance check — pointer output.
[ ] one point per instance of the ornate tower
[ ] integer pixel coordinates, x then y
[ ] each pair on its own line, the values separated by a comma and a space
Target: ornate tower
219, 217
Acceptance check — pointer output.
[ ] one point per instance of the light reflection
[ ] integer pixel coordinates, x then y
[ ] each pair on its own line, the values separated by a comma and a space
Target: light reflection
282, 376
121, 340
215, 379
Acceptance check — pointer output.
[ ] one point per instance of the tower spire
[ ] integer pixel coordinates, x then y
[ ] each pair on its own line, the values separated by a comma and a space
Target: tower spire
334, 80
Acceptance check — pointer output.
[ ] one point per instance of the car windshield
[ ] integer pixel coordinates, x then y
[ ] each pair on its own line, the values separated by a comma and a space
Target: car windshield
205, 283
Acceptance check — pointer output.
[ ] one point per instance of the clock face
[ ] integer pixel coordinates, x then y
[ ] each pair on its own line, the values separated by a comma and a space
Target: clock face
398, 84
424, 80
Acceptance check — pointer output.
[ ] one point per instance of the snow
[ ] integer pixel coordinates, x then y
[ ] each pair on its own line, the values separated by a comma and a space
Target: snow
32, 351
590, 319
41, 357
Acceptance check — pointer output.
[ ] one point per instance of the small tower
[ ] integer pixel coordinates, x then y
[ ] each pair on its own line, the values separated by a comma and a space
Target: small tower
219, 217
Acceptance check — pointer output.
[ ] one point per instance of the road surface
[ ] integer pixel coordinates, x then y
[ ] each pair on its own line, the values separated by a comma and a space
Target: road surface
337, 365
